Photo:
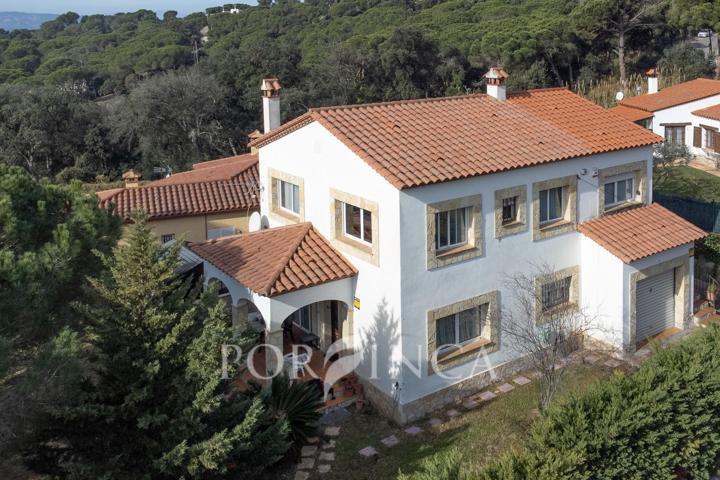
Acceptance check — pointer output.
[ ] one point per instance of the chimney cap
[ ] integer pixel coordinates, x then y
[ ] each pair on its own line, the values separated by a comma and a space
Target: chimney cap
496, 76
254, 134
270, 87
131, 175
652, 72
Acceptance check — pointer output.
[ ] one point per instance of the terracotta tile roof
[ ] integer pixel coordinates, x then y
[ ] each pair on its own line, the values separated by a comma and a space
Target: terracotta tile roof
420, 142
640, 232
632, 114
277, 260
675, 95
712, 113
227, 187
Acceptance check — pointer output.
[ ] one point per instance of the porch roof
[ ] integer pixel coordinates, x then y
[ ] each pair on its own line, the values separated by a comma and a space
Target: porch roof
640, 232
277, 260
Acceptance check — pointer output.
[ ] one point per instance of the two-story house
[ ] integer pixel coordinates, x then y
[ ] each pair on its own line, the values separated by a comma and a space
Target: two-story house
395, 225
687, 113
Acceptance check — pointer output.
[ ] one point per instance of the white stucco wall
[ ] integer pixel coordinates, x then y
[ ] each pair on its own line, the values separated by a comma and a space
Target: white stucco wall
323, 162
424, 290
682, 114
697, 122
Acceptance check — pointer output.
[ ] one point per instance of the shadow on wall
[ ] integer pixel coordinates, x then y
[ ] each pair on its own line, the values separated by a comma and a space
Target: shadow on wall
377, 341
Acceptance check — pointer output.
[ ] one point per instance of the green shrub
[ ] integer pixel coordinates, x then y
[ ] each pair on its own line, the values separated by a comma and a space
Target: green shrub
663, 422
296, 403
441, 466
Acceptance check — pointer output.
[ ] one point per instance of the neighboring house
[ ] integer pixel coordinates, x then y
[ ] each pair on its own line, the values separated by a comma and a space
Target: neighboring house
686, 113
214, 199
394, 225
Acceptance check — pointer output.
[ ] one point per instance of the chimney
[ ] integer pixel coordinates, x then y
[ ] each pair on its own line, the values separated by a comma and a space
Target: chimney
131, 179
652, 80
252, 136
271, 103
496, 77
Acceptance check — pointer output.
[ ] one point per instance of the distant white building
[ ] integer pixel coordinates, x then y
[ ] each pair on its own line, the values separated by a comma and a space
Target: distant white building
396, 224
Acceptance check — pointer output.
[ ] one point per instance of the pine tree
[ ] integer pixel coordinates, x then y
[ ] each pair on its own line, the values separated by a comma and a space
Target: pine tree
154, 405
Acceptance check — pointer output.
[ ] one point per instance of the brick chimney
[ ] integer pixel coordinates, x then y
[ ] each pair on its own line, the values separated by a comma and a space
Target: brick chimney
131, 179
652, 80
496, 77
271, 103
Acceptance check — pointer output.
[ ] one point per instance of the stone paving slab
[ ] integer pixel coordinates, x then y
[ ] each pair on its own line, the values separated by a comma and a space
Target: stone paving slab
470, 404
486, 395
505, 387
390, 441
435, 422
302, 475
332, 431
592, 358
613, 363
326, 457
534, 374
452, 413
313, 440
414, 430
368, 452
521, 380
306, 463
328, 444
323, 469
308, 450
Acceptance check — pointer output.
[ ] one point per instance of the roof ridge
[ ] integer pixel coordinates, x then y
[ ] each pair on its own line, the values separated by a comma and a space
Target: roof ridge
286, 258
399, 102
542, 89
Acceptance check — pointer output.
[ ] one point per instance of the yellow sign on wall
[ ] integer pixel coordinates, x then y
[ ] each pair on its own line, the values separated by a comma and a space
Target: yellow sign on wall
356, 303
692, 252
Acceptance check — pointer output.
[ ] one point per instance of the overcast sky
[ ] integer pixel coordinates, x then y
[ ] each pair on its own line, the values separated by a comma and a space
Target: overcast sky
86, 7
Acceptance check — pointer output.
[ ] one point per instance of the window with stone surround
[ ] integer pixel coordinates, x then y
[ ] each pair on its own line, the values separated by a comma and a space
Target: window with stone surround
510, 211
622, 186
287, 197
461, 332
555, 291
355, 224
454, 231
554, 207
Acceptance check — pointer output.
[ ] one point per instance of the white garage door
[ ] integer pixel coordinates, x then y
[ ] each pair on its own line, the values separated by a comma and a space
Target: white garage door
655, 305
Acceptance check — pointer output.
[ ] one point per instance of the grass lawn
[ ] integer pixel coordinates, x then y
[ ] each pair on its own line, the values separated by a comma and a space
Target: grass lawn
481, 434
691, 182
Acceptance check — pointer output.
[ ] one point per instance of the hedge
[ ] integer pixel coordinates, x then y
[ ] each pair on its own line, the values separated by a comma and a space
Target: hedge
662, 422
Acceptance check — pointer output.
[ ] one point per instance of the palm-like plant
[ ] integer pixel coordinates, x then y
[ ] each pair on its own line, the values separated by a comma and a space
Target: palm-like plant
295, 403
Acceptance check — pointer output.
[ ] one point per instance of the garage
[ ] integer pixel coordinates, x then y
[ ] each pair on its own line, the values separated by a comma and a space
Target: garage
655, 305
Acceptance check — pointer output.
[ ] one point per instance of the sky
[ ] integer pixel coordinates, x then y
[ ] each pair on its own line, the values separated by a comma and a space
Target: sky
86, 7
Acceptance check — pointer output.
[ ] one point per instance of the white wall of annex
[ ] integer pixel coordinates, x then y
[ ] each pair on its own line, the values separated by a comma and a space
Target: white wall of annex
424, 290
681, 114
323, 162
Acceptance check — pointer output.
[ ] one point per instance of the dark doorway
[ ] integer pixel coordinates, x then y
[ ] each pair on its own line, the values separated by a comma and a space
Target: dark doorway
334, 322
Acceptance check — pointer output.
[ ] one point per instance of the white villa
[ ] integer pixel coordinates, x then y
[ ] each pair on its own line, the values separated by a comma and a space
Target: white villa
687, 113
395, 225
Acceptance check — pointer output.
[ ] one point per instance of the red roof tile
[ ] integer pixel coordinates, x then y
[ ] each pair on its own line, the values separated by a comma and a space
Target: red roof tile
632, 114
712, 113
277, 260
420, 142
675, 95
225, 187
640, 232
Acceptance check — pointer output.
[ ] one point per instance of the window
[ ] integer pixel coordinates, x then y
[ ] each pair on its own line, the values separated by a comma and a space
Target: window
556, 293
303, 318
220, 232
675, 134
551, 204
357, 222
509, 210
451, 228
619, 191
459, 328
709, 139
289, 196
167, 237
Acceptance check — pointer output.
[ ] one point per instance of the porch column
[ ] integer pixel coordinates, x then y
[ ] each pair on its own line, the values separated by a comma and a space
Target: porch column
240, 317
274, 339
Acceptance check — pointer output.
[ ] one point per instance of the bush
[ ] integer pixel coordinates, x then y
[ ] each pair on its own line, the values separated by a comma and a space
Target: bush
663, 422
296, 403
441, 466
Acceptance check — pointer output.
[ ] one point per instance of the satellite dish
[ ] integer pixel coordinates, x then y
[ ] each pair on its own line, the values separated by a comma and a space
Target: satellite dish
619, 96
255, 222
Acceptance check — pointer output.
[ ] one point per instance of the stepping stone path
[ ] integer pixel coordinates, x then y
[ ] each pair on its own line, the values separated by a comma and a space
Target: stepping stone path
327, 457
390, 441
332, 431
470, 404
486, 396
592, 358
308, 450
521, 380
300, 475
613, 363
414, 430
505, 388
435, 422
452, 413
368, 452
306, 463
329, 444
323, 469
316, 457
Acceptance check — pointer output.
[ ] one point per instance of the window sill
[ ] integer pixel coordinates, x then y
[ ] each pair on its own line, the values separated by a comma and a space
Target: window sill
358, 244
454, 251
464, 350
557, 309
286, 214
621, 206
514, 223
554, 224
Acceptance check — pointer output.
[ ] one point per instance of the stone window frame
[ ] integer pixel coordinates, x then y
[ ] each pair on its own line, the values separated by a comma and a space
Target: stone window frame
474, 246
569, 220
362, 250
639, 169
518, 226
278, 213
540, 280
683, 316
487, 343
